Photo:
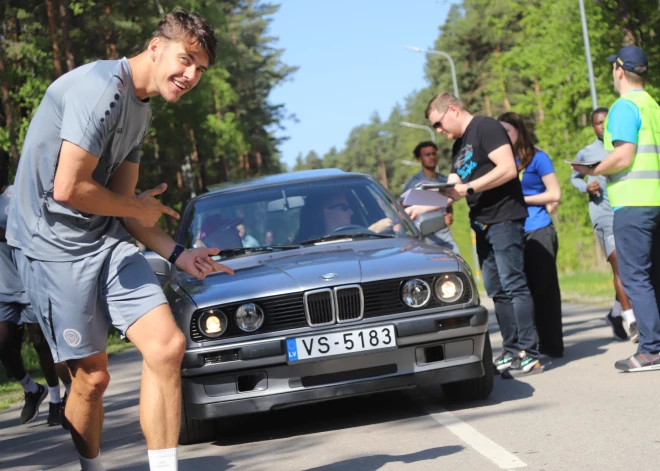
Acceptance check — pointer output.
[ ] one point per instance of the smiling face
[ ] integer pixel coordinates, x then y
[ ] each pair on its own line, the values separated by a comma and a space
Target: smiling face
336, 213
178, 67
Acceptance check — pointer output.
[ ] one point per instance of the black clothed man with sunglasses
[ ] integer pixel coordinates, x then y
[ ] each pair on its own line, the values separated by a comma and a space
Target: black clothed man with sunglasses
484, 172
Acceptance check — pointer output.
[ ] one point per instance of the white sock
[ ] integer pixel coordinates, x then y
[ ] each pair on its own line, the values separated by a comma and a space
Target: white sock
93, 464
617, 309
163, 460
29, 385
629, 316
54, 394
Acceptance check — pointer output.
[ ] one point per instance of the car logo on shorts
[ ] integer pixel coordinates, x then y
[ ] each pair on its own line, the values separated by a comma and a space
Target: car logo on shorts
329, 276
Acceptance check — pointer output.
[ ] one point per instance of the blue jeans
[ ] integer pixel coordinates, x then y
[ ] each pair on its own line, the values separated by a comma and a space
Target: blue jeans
637, 239
501, 251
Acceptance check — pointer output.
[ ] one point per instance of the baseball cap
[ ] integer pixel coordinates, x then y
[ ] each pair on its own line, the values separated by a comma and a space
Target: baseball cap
632, 59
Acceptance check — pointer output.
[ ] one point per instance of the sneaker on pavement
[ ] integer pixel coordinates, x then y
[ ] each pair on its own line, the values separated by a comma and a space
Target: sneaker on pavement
54, 413
633, 333
523, 365
63, 421
503, 361
616, 323
639, 362
32, 402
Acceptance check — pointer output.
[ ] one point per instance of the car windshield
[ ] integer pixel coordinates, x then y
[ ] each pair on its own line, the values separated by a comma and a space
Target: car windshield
283, 216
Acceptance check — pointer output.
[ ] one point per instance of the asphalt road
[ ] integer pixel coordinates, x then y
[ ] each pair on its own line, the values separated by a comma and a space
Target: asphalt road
580, 414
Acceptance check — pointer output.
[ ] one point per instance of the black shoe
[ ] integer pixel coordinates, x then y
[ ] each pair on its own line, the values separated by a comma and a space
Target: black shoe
63, 421
32, 402
523, 365
616, 323
54, 413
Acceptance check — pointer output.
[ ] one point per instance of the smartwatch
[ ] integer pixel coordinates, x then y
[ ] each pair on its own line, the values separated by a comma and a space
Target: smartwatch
178, 250
470, 190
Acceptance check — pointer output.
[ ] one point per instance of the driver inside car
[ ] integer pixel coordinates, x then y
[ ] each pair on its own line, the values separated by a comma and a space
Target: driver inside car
323, 216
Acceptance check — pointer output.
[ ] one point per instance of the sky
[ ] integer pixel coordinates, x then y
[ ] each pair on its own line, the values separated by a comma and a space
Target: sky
352, 63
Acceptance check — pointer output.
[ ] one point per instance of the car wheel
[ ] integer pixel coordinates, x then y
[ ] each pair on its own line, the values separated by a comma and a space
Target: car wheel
477, 388
195, 431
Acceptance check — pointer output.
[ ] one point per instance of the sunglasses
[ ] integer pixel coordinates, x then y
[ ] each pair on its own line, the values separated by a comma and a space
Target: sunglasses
438, 125
343, 206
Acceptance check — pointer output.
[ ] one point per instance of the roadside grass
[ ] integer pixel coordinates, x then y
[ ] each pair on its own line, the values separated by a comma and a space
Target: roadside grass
12, 392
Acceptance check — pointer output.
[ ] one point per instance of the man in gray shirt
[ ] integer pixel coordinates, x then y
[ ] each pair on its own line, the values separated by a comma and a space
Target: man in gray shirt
602, 220
70, 219
427, 155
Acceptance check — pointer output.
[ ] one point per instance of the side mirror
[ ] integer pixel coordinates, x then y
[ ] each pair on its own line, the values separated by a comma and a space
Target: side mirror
430, 223
159, 265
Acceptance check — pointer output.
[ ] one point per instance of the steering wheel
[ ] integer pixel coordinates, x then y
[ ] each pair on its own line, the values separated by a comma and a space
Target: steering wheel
352, 228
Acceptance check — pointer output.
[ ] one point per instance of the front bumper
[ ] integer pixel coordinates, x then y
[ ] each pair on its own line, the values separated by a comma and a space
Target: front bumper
260, 379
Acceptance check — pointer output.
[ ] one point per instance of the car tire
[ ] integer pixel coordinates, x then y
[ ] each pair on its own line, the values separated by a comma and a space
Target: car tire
477, 388
195, 431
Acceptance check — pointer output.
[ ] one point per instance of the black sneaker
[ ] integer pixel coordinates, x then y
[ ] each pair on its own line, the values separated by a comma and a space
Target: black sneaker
503, 361
523, 365
639, 362
63, 421
618, 330
54, 413
32, 402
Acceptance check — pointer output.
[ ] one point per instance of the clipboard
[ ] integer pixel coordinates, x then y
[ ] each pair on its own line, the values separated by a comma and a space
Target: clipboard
585, 164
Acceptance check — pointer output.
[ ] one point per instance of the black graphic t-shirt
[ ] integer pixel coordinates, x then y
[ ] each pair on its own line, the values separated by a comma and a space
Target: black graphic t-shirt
504, 203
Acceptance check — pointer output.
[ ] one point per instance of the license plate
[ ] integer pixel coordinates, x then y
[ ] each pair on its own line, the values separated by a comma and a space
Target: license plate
340, 343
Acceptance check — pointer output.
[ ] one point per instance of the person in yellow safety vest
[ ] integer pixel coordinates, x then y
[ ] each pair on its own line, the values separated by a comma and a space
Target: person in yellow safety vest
632, 133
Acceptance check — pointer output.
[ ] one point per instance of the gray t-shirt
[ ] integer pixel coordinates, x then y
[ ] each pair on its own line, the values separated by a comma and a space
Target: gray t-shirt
443, 236
95, 108
599, 206
11, 287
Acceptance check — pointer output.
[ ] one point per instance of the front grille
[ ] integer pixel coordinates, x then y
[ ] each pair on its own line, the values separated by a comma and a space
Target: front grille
316, 308
350, 303
319, 307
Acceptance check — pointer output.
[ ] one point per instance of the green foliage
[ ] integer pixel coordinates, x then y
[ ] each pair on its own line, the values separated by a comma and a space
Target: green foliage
526, 56
221, 130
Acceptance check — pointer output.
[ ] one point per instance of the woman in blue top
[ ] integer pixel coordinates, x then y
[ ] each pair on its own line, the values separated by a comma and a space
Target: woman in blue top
541, 190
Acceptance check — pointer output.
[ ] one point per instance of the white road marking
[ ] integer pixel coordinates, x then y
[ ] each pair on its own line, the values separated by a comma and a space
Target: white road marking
481, 443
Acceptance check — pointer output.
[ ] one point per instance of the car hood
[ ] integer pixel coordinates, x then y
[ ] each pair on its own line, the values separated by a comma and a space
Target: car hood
271, 274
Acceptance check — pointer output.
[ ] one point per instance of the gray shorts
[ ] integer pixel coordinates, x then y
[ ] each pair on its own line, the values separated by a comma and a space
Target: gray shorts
17, 313
605, 234
76, 301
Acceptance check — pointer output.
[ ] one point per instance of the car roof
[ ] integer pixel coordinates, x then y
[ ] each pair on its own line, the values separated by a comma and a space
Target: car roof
279, 179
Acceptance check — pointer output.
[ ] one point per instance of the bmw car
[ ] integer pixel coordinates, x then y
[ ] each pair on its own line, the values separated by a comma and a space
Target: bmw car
335, 294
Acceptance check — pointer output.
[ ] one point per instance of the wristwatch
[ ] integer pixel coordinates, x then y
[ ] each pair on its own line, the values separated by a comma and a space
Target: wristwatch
178, 250
470, 190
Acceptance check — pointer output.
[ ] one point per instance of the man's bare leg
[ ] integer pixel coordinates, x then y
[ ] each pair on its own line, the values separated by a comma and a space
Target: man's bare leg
162, 345
84, 410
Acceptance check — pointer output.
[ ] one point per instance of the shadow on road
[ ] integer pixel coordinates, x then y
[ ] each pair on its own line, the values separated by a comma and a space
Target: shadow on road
376, 462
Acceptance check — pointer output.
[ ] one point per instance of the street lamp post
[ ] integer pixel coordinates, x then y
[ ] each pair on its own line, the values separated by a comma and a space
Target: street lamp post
587, 49
446, 56
473, 235
419, 126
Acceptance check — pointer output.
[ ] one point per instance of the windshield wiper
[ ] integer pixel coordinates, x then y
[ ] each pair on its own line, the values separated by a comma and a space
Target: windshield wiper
354, 235
247, 250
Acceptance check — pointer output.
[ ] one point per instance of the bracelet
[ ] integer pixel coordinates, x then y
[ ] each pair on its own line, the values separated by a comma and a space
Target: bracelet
178, 250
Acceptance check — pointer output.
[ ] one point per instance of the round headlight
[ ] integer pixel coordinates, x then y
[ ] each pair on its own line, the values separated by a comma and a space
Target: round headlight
213, 323
249, 317
449, 288
416, 293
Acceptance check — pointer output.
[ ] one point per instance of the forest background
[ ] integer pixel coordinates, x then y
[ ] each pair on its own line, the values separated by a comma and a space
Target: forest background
522, 55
